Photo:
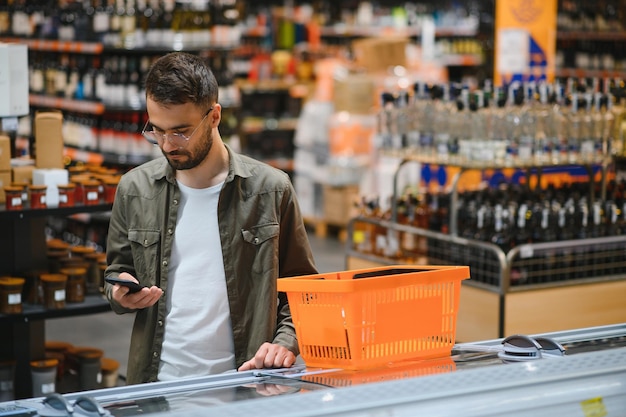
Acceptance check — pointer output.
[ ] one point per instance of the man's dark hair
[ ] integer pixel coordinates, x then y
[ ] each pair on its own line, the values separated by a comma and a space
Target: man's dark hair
179, 78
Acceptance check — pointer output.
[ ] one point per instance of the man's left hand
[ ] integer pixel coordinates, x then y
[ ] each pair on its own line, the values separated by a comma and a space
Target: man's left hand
270, 355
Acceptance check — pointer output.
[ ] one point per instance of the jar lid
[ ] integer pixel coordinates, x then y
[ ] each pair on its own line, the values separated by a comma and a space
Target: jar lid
82, 249
78, 179
66, 186
44, 364
87, 352
13, 189
109, 364
53, 277
11, 281
37, 187
91, 183
58, 345
95, 256
77, 168
77, 270
57, 244
111, 180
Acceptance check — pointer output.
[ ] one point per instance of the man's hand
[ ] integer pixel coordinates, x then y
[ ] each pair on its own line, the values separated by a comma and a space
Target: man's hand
270, 355
145, 298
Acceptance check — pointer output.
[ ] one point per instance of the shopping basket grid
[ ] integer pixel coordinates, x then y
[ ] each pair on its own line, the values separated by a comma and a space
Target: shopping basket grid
352, 323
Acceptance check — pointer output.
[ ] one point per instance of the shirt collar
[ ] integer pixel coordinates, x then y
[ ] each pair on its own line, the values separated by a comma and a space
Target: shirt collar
236, 167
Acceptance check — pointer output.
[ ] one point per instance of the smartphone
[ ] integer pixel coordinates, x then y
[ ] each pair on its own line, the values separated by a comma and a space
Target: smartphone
132, 285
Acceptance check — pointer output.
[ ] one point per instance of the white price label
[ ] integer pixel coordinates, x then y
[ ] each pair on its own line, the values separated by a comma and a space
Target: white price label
59, 295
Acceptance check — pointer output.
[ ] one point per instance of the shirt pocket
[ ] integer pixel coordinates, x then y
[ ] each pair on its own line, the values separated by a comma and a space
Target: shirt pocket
261, 233
263, 248
145, 249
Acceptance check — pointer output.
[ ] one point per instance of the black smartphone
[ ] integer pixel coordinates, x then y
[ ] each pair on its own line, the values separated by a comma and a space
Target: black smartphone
132, 285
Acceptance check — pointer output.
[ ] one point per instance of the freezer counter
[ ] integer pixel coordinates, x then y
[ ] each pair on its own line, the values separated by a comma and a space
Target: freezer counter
580, 372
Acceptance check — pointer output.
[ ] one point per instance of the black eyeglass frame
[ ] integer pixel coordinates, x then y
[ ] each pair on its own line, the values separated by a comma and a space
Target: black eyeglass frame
177, 139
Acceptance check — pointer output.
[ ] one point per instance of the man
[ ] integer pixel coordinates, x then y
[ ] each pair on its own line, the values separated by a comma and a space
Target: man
208, 232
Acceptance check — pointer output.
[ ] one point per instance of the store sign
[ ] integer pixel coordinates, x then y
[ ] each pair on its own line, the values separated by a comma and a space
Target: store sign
525, 40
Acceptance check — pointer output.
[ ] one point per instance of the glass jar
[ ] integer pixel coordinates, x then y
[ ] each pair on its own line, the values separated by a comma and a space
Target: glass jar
7, 379
110, 187
38, 196
67, 194
110, 372
79, 190
94, 280
13, 198
43, 376
54, 290
91, 191
75, 285
11, 295
24, 187
89, 367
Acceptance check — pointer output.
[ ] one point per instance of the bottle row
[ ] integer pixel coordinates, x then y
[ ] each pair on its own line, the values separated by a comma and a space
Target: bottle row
591, 55
123, 23
521, 125
114, 80
508, 217
140, 23
591, 15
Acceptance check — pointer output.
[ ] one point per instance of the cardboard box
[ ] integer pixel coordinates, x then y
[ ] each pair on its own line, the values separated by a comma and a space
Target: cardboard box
355, 93
51, 178
23, 173
5, 180
378, 54
339, 204
5, 153
13, 79
49, 140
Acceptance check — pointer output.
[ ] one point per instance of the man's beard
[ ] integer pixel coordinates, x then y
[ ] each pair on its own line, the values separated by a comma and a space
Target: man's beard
194, 156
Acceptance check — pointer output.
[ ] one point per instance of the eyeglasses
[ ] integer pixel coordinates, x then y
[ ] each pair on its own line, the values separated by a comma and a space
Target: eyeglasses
177, 139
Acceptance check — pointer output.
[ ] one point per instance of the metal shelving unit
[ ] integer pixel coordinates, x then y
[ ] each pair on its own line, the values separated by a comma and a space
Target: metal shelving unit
533, 287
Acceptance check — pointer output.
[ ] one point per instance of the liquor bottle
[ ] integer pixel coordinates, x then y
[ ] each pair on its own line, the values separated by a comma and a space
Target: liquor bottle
116, 8
386, 123
101, 21
20, 21
363, 233
67, 18
587, 145
37, 80
166, 26
573, 129
83, 21
61, 76
128, 25
5, 18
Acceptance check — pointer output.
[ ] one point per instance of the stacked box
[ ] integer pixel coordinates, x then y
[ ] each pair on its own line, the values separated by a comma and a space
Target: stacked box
5, 165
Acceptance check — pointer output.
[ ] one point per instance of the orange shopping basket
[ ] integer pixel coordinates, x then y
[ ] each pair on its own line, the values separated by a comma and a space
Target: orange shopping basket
370, 317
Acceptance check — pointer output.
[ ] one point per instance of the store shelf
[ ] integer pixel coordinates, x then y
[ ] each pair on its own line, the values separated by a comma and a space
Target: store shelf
28, 213
609, 36
23, 249
465, 60
93, 48
258, 124
81, 106
589, 73
552, 277
464, 163
92, 304
382, 31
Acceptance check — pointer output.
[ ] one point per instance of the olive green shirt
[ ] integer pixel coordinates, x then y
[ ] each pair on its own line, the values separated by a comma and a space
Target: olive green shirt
262, 235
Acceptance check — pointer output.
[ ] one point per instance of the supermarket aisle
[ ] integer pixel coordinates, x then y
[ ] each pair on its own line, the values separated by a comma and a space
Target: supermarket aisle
111, 333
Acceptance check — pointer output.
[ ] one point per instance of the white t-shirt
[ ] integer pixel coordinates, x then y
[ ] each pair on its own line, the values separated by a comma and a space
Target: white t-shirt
198, 336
